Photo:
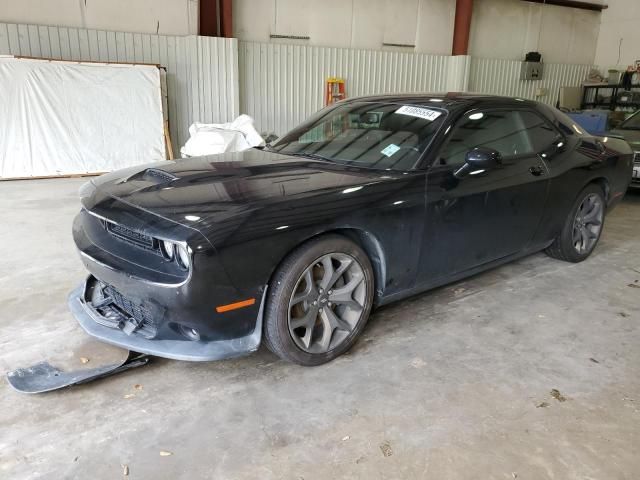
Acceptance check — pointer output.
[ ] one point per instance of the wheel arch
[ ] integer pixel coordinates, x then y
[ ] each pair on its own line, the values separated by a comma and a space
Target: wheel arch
374, 250
603, 183
365, 240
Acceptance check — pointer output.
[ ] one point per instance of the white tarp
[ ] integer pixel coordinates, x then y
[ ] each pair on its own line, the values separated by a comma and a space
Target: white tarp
60, 118
212, 138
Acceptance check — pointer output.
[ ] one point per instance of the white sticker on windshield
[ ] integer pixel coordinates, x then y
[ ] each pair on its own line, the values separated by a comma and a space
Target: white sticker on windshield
419, 112
390, 149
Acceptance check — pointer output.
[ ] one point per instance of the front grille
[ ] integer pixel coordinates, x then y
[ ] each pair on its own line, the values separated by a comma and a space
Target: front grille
129, 235
132, 237
141, 316
636, 158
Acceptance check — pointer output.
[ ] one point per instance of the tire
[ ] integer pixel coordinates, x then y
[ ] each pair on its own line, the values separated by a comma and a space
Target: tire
307, 333
564, 246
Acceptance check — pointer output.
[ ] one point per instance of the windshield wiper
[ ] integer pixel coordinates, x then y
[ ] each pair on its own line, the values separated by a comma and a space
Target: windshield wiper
314, 156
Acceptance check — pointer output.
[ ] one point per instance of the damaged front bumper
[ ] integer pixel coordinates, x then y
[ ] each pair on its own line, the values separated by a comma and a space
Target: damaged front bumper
106, 319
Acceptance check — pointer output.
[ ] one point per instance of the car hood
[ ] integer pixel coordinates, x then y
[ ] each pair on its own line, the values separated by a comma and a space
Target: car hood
206, 190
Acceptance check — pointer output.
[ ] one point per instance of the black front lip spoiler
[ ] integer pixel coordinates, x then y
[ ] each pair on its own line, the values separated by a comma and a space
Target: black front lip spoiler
193, 351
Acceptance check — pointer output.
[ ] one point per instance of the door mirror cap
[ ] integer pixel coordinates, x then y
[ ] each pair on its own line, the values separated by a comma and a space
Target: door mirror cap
483, 158
478, 161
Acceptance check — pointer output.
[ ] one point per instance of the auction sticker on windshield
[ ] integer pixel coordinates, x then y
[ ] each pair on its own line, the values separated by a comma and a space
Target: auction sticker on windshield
419, 112
390, 149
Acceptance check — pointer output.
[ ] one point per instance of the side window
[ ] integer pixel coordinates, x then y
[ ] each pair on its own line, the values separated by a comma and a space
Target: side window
504, 131
541, 134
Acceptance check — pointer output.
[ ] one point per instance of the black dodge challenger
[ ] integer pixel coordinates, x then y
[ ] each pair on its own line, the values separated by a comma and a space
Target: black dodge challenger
370, 201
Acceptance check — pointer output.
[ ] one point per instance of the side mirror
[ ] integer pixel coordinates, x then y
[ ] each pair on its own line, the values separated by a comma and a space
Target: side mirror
483, 158
556, 147
479, 160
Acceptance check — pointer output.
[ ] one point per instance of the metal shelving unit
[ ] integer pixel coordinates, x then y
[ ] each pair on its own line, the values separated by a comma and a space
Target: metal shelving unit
593, 98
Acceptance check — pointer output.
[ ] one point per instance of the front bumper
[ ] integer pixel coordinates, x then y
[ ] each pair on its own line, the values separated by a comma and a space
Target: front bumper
635, 180
94, 324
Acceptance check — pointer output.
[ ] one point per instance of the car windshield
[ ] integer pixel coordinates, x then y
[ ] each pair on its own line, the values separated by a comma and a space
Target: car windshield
631, 123
373, 135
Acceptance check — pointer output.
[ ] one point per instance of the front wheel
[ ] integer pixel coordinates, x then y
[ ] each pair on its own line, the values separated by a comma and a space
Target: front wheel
582, 228
319, 301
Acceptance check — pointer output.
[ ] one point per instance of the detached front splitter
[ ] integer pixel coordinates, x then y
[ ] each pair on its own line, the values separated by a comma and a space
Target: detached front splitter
44, 377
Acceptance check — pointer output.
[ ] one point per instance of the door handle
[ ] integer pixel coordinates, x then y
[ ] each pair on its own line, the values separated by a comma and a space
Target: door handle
536, 170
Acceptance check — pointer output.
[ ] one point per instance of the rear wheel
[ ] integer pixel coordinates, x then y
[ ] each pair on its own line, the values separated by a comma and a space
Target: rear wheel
583, 227
319, 301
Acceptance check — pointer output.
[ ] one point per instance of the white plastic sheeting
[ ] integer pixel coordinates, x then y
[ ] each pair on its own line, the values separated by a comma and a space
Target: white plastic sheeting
212, 138
60, 118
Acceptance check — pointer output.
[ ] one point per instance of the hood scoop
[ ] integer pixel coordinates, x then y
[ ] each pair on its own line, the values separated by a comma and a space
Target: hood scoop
155, 175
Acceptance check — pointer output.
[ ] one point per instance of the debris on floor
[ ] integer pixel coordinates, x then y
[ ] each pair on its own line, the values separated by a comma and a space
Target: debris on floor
385, 447
557, 395
543, 405
418, 363
125, 470
594, 360
164, 453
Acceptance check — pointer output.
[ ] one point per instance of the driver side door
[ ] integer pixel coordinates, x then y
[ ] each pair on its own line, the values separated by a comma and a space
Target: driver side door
483, 216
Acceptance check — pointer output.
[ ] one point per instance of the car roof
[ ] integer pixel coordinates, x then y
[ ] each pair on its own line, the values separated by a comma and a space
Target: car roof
447, 100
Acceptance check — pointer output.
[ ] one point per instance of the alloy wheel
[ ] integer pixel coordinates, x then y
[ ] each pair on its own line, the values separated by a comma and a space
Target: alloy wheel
327, 303
588, 223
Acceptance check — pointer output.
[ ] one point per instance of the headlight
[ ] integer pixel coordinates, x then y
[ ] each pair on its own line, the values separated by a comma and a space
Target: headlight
176, 251
182, 256
166, 247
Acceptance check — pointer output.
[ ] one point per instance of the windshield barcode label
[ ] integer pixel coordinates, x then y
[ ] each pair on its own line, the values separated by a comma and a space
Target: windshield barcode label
425, 113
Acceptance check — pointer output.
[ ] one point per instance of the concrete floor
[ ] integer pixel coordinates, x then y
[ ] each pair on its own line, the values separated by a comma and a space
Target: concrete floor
454, 383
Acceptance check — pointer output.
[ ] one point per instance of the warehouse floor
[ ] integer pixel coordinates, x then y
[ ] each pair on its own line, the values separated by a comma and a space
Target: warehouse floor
455, 383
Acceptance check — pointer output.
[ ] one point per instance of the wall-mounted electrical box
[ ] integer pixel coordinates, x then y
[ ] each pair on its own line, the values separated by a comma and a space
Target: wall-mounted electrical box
531, 71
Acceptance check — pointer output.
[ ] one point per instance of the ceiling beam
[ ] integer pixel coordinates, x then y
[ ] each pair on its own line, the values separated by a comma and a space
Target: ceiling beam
595, 7
462, 27
208, 18
226, 18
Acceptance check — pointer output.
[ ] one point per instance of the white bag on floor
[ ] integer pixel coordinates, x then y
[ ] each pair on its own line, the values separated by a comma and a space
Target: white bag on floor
212, 138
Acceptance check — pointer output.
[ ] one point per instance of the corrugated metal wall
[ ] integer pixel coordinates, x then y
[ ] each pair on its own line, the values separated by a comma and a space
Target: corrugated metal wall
202, 72
502, 77
281, 85
214, 79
